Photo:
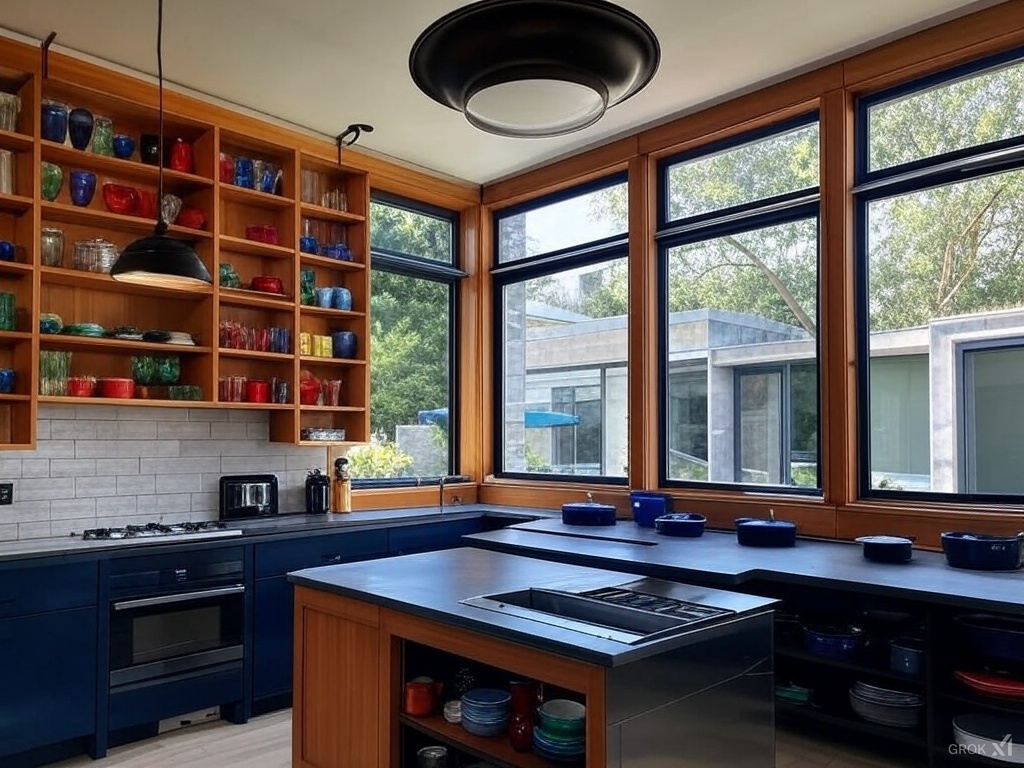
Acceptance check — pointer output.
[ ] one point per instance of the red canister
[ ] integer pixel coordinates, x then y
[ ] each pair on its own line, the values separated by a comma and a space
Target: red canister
257, 391
181, 156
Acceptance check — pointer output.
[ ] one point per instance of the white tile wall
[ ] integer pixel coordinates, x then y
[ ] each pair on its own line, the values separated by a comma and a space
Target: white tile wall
97, 466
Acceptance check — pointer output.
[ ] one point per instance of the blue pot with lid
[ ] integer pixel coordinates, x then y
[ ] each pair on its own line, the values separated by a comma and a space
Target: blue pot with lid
588, 512
688, 525
648, 507
758, 532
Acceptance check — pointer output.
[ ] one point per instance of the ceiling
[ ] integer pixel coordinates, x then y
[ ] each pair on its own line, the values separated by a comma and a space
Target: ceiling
323, 64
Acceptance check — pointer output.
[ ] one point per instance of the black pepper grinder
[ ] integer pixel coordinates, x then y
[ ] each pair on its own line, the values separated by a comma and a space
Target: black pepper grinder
318, 493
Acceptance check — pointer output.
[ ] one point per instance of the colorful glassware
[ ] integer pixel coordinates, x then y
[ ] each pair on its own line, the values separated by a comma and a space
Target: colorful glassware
80, 124
52, 180
82, 187
103, 137
55, 121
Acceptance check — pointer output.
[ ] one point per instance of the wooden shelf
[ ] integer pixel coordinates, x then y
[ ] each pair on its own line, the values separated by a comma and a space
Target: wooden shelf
91, 217
252, 354
16, 268
860, 668
254, 197
133, 401
327, 443
99, 281
242, 298
254, 248
331, 409
122, 169
329, 214
7, 338
15, 203
17, 141
493, 749
15, 398
311, 260
314, 360
104, 344
338, 313
256, 406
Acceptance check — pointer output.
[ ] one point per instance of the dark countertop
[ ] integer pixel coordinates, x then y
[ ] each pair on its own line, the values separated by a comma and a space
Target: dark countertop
281, 527
430, 585
716, 558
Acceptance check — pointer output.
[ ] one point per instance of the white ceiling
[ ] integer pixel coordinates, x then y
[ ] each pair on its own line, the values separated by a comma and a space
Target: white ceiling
324, 64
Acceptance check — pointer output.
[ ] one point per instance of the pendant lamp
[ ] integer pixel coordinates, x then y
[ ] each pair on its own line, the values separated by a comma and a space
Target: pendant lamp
158, 260
534, 68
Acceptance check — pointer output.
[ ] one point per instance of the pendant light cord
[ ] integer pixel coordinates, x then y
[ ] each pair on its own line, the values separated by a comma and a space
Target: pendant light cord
161, 225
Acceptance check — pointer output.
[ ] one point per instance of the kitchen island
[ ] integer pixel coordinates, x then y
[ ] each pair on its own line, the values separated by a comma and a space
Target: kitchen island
694, 673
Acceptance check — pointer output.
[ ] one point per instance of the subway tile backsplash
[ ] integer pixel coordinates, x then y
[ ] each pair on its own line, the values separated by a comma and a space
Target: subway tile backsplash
99, 466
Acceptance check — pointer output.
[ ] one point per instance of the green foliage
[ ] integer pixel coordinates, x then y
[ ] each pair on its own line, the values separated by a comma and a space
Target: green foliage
805, 476
534, 461
380, 458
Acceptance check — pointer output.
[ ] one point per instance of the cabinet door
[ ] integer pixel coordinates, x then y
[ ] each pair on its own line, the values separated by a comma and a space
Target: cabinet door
274, 558
409, 539
48, 673
272, 637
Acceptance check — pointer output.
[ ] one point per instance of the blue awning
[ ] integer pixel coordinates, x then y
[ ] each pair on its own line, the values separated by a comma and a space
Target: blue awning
532, 419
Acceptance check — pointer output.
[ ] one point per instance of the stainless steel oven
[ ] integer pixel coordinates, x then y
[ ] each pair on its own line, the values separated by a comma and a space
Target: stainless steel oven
175, 616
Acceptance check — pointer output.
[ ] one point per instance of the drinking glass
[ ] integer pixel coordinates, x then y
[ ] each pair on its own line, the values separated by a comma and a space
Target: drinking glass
8, 311
52, 246
54, 368
6, 172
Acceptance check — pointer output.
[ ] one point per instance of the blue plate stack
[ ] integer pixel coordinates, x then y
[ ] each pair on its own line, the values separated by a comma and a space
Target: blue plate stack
485, 711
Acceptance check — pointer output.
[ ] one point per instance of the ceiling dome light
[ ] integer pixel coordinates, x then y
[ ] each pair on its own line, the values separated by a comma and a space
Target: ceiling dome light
532, 68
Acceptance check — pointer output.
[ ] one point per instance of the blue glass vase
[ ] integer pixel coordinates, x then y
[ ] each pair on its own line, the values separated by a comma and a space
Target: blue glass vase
83, 187
55, 121
342, 299
124, 146
344, 344
7, 379
80, 127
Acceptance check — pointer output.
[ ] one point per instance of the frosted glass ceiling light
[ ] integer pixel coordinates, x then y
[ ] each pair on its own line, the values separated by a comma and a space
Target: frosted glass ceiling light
532, 68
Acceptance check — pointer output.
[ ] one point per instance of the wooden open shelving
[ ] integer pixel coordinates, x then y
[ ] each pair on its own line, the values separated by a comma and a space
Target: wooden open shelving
80, 296
494, 749
333, 313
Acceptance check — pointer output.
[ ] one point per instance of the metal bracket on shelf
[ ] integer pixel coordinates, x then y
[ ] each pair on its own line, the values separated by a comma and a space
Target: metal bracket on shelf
44, 48
355, 130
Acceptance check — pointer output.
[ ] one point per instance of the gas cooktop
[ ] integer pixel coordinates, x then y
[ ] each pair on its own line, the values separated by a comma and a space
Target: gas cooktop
203, 529
667, 606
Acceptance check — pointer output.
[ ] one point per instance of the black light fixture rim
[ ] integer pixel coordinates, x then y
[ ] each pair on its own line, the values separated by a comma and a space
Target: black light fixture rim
651, 53
482, 125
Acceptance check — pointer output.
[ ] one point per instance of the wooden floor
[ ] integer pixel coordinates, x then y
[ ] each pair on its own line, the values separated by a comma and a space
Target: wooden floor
265, 742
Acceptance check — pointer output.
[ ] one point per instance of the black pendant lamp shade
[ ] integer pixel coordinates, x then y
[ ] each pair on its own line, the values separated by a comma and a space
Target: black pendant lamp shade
158, 260
532, 68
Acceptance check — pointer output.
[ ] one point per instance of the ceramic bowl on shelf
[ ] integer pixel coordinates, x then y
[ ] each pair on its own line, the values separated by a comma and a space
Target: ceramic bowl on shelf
267, 284
81, 386
191, 217
124, 146
562, 717
122, 389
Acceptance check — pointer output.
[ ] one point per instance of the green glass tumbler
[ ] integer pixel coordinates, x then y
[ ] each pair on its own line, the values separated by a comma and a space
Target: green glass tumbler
8, 310
53, 180
103, 136
54, 369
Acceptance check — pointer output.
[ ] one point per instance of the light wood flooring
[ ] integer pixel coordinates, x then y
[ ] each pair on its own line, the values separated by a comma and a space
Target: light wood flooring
265, 742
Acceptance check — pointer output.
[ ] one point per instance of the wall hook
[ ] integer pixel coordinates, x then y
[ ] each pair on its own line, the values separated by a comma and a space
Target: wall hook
45, 49
355, 130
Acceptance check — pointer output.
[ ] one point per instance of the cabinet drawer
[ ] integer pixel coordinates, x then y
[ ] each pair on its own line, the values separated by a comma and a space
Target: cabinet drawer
431, 536
41, 588
277, 557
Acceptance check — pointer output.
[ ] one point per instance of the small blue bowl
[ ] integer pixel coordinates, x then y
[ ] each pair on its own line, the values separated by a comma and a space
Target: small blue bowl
124, 146
308, 244
683, 524
7, 250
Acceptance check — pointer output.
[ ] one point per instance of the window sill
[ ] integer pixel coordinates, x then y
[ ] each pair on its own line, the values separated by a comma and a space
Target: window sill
413, 496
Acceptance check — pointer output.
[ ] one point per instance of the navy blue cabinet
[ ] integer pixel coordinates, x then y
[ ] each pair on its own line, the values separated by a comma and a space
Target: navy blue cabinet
48, 668
273, 603
427, 537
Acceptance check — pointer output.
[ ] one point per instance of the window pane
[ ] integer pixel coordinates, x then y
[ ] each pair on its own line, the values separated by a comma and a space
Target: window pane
776, 165
993, 383
745, 301
948, 117
564, 377
410, 394
945, 270
411, 232
591, 216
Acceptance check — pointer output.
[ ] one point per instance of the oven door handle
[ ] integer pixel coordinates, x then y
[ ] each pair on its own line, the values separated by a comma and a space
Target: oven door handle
179, 597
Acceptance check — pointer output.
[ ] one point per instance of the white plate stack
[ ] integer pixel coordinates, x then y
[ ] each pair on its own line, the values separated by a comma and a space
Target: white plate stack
884, 706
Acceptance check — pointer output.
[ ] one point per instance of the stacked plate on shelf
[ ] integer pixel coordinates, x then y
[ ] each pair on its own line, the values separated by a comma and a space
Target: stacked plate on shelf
485, 711
560, 735
884, 706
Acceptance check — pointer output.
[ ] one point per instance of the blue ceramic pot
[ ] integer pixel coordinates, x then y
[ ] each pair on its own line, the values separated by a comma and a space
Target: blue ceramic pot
308, 244
55, 121
324, 297
7, 379
124, 146
83, 187
80, 127
6, 250
344, 344
342, 299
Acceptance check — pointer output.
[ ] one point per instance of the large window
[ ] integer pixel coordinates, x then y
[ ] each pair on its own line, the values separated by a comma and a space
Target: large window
561, 324
940, 194
738, 244
412, 316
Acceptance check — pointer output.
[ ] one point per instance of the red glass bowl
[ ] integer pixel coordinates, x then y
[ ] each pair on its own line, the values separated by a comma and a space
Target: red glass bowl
262, 233
267, 284
120, 198
123, 389
81, 386
191, 217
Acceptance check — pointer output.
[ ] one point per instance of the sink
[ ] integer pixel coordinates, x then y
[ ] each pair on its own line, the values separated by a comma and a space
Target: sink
598, 613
